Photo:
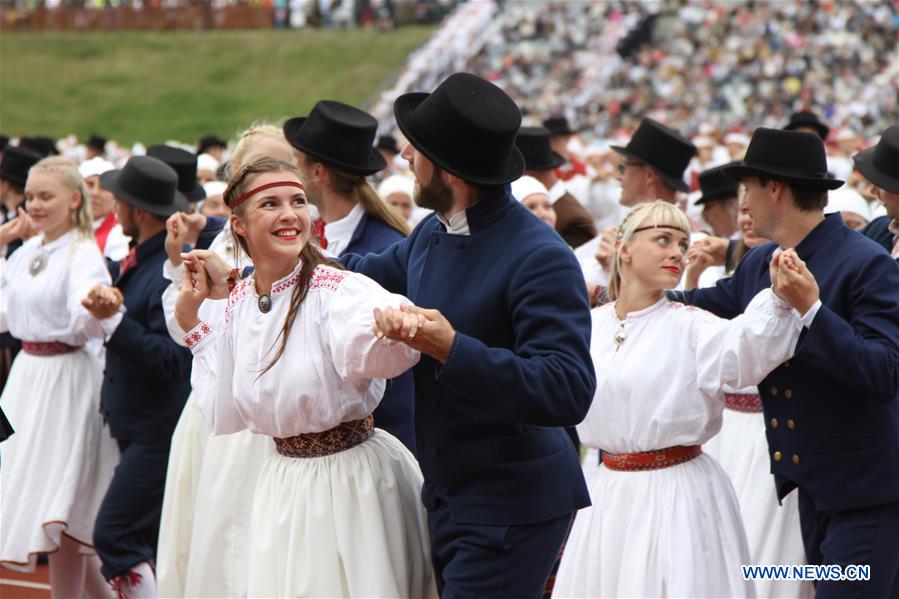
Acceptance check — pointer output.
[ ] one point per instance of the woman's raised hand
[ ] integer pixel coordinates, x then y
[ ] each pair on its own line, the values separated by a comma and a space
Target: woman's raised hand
102, 301
215, 268
194, 291
18, 228
427, 331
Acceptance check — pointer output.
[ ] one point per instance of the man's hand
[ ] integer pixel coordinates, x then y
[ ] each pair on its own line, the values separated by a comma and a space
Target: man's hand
102, 301
793, 282
214, 268
427, 331
714, 248
176, 236
606, 249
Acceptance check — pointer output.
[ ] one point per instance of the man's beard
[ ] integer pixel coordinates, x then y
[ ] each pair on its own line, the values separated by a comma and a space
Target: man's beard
435, 195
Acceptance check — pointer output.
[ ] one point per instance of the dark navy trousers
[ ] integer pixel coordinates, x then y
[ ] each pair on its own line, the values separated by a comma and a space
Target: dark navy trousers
127, 527
867, 536
481, 561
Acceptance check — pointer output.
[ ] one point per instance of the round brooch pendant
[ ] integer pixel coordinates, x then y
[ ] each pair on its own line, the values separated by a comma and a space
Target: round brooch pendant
38, 264
620, 336
265, 303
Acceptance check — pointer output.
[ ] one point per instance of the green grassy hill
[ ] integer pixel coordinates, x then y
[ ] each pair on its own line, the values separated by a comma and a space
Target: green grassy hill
153, 86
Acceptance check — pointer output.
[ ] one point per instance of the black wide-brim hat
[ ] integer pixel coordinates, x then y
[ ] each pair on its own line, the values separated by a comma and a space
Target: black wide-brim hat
794, 157
146, 183
16, 162
467, 127
715, 185
339, 135
664, 150
558, 125
536, 147
804, 118
387, 142
880, 164
185, 165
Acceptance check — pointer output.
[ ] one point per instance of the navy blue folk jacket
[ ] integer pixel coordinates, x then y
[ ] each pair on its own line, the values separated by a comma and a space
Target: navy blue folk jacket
831, 412
488, 421
396, 412
147, 378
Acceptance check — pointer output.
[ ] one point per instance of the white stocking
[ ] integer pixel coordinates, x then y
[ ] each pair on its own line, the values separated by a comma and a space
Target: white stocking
66, 570
95, 586
146, 588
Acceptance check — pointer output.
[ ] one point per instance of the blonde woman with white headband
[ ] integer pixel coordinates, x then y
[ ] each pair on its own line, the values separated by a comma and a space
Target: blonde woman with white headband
665, 520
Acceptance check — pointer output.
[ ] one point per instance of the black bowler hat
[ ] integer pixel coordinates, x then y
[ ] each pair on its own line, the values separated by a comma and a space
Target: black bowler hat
558, 125
339, 135
466, 127
792, 156
96, 142
210, 141
40, 144
663, 150
534, 144
880, 164
715, 185
16, 162
804, 118
185, 164
387, 142
146, 183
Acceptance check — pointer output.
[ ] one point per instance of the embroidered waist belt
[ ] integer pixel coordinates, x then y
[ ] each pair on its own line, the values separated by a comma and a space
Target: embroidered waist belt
651, 460
50, 348
344, 436
742, 402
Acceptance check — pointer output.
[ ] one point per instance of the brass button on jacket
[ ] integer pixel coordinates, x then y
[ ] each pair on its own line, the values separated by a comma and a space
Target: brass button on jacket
795, 459
791, 424
774, 423
773, 391
777, 456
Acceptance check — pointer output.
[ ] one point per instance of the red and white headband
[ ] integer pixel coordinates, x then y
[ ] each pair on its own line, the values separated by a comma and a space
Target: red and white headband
256, 190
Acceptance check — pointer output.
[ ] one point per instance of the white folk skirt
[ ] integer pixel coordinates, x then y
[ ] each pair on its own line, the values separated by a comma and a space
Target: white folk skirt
772, 529
672, 532
57, 466
350, 524
178, 505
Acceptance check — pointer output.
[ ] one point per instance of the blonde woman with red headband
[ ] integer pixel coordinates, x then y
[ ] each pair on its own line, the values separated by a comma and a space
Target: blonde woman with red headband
665, 521
336, 511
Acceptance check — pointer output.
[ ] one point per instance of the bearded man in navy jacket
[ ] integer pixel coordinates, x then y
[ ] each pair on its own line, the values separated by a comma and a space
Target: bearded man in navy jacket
505, 337
831, 412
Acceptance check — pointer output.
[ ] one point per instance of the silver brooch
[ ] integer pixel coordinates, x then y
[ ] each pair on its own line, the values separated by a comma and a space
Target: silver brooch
264, 303
38, 264
620, 337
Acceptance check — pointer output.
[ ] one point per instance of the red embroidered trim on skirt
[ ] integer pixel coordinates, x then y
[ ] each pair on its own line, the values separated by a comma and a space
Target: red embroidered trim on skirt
742, 402
651, 460
344, 436
51, 348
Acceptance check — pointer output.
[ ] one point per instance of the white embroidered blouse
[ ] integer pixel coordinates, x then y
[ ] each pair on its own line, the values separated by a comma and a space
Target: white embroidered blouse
662, 386
46, 306
332, 370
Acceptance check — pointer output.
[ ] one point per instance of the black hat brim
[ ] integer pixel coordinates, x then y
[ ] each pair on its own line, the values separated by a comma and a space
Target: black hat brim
12, 177
678, 184
707, 199
403, 108
376, 161
195, 194
818, 183
556, 161
110, 181
864, 162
